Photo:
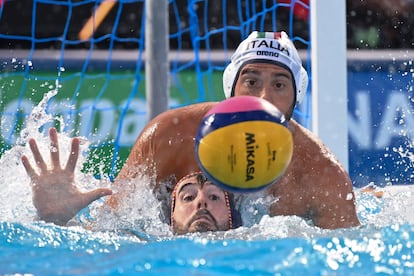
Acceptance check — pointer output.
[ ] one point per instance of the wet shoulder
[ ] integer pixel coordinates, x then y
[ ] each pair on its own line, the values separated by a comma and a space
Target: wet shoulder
196, 110
186, 117
307, 145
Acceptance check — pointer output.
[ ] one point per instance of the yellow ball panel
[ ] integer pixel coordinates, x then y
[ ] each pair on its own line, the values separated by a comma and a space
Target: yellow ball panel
246, 155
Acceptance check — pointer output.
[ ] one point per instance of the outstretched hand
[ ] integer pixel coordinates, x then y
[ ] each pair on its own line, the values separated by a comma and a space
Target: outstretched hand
55, 195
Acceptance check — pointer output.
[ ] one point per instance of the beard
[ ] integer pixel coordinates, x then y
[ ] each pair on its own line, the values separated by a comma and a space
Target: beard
202, 226
196, 225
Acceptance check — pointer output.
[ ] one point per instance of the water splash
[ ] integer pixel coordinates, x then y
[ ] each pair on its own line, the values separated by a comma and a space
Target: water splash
139, 211
14, 182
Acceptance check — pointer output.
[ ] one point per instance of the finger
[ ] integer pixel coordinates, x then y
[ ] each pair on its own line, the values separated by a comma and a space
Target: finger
37, 156
96, 194
29, 169
73, 156
54, 148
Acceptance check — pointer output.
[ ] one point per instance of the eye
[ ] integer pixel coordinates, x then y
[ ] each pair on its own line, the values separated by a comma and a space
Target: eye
251, 82
188, 198
280, 85
282, 82
214, 197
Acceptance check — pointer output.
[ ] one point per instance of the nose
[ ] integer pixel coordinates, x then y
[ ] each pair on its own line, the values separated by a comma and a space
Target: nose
265, 93
201, 201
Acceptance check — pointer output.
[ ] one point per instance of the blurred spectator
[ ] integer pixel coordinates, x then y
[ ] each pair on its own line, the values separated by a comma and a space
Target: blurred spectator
380, 23
301, 8
370, 23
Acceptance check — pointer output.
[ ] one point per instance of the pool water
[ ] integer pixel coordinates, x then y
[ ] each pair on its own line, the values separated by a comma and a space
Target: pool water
383, 245
42, 249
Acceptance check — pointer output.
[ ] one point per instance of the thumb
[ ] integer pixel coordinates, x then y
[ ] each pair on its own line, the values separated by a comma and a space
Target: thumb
96, 194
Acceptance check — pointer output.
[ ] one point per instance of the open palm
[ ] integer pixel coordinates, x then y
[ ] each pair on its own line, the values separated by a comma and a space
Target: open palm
55, 195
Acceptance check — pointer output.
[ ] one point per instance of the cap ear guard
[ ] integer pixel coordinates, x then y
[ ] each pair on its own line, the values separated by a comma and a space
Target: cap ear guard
229, 76
302, 85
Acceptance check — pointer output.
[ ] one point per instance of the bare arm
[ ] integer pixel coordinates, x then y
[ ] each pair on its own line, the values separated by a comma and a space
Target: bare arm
333, 200
330, 191
315, 185
164, 150
55, 195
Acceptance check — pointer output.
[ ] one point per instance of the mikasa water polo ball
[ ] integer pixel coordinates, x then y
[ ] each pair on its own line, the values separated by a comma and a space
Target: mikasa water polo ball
243, 144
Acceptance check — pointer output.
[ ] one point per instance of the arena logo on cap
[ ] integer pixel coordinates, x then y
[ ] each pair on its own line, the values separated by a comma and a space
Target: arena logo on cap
267, 53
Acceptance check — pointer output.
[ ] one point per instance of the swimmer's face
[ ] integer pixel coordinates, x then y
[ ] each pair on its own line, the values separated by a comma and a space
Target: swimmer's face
200, 206
270, 82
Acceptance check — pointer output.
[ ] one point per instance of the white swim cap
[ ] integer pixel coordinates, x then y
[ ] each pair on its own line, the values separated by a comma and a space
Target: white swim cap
265, 47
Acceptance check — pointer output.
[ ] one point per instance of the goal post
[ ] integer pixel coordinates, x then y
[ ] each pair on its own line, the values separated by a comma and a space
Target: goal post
329, 75
156, 56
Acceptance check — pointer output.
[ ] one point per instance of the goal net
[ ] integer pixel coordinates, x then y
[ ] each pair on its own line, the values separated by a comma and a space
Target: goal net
99, 73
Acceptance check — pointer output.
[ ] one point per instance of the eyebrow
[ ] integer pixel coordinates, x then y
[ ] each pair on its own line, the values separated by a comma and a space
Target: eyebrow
185, 185
193, 183
257, 72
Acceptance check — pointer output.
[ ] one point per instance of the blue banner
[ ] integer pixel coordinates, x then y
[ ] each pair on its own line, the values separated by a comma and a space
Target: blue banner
381, 122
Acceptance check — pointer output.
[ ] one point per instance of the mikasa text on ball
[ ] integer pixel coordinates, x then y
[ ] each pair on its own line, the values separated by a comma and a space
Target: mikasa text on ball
243, 144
